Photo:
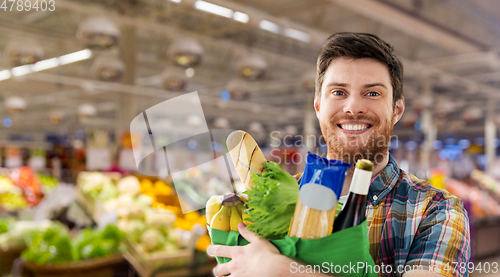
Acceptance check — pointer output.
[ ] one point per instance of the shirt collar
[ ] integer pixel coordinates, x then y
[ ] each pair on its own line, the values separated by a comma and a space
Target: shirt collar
384, 182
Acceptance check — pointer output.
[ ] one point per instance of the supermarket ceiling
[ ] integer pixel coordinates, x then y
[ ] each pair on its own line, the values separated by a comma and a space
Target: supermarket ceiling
449, 45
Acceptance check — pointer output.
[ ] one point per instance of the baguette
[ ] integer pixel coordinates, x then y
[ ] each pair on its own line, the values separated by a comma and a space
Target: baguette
246, 155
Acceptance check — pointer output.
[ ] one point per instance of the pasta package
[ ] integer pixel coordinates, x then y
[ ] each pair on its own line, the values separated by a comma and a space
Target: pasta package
319, 192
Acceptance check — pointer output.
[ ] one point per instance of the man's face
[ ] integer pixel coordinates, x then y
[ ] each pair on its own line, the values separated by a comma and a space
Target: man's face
356, 111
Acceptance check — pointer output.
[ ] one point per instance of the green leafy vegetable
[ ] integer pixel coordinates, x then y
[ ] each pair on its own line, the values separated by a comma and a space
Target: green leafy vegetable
6, 224
47, 181
271, 202
83, 239
51, 246
112, 237
55, 245
97, 243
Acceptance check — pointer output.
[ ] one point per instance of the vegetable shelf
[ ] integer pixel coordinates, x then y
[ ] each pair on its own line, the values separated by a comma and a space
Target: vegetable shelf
150, 264
7, 258
99, 267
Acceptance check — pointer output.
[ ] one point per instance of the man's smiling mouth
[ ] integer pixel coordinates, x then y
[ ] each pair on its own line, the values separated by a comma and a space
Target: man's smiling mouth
355, 127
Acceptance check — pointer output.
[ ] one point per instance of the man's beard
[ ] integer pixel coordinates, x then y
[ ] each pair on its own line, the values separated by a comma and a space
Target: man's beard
374, 148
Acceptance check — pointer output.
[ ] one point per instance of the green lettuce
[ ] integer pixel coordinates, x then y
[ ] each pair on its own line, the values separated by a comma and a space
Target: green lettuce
271, 202
50, 246
55, 245
91, 243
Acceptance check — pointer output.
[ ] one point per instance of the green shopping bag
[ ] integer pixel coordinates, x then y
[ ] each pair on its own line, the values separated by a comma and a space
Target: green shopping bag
345, 253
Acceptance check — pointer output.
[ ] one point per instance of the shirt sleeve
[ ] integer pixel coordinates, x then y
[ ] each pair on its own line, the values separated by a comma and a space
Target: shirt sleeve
442, 241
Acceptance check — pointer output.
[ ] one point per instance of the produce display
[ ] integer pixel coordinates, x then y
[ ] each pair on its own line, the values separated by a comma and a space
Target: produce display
486, 181
5, 225
162, 195
98, 186
56, 245
153, 232
148, 213
25, 178
482, 203
165, 199
22, 188
149, 223
48, 182
17, 234
11, 196
197, 186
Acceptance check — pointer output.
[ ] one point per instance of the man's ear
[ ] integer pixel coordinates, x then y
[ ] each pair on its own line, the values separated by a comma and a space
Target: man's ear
399, 109
316, 104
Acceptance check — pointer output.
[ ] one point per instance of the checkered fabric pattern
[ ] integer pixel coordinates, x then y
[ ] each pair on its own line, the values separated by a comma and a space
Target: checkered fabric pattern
410, 223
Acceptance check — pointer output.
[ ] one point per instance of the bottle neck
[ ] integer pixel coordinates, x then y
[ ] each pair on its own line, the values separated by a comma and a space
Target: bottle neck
361, 180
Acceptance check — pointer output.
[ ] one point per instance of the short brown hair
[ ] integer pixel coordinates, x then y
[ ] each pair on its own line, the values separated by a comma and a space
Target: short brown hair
357, 46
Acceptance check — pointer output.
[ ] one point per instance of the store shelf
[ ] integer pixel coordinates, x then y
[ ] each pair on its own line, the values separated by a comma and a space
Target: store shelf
170, 272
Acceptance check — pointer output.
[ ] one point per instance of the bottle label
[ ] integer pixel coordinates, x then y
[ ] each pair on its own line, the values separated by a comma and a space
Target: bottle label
317, 197
361, 181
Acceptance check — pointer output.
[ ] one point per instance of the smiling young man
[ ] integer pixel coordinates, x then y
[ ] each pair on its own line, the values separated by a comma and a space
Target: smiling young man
359, 98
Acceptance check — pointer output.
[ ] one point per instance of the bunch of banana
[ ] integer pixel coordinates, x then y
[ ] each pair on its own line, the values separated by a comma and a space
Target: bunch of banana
226, 212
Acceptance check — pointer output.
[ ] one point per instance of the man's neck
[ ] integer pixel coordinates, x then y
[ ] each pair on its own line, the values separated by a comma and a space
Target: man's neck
376, 170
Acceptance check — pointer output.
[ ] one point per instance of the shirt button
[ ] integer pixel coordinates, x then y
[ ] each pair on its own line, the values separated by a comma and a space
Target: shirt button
375, 198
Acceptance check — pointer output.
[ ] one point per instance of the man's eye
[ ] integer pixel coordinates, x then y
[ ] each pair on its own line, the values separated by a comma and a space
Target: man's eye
338, 92
373, 93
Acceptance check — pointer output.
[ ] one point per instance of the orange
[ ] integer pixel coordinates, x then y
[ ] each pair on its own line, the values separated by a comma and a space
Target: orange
192, 216
203, 243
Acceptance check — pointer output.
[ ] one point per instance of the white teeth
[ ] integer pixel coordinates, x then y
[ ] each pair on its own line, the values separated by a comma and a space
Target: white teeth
354, 127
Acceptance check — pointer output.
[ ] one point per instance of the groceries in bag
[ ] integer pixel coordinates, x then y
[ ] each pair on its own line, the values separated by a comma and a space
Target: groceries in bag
354, 211
320, 190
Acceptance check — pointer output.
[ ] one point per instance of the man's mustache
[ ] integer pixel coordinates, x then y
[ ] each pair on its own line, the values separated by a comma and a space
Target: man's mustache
367, 119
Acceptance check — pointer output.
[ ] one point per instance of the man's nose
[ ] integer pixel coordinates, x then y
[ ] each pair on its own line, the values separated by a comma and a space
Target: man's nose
354, 105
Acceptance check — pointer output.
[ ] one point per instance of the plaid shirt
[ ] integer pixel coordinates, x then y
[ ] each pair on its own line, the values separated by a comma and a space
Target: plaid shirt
410, 223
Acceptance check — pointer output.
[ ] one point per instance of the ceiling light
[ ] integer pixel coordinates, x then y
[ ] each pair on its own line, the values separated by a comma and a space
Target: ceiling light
185, 52
15, 104
237, 90
21, 70
296, 34
98, 33
76, 56
241, 17
190, 72
45, 64
270, 26
23, 51
173, 79
5, 74
212, 8
175, 1
86, 110
108, 68
221, 123
252, 67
